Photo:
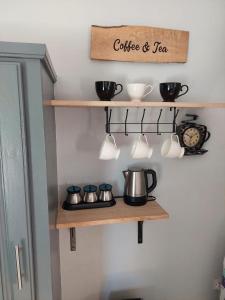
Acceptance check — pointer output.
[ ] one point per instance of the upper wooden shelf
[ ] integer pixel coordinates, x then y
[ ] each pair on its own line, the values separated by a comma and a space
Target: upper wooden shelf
98, 103
119, 213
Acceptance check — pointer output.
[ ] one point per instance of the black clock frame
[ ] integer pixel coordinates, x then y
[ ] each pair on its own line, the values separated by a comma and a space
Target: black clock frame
204, 136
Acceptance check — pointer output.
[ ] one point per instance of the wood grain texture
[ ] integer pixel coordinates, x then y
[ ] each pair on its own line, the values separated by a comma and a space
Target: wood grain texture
97, 103
120, 213
139, 44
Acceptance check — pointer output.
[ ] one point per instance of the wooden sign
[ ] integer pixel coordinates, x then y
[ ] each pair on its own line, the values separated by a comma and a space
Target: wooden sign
139, 44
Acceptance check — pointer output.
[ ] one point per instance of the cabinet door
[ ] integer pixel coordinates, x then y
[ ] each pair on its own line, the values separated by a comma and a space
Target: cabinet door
1, 289
17, 276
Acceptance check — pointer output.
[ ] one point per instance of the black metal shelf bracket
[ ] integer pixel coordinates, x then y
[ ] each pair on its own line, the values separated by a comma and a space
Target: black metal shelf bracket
140, 232
126, 124
73, 244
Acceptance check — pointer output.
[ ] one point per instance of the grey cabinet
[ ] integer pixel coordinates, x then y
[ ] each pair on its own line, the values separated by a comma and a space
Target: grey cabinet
14, 187
29, 248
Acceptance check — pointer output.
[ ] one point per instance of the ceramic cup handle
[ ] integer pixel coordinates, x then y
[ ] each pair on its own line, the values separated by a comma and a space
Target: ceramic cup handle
121, 89
175, 137
112, 138
185, 92
151, 89
145, 137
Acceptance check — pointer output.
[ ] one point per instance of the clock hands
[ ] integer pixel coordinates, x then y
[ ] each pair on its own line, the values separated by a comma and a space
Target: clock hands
196, 134
191, 138
187, 136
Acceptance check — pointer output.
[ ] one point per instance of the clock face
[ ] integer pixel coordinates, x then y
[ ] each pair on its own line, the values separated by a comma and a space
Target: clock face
191, 137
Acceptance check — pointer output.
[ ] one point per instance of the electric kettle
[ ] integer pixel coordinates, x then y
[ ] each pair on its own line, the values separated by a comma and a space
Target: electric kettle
136, 187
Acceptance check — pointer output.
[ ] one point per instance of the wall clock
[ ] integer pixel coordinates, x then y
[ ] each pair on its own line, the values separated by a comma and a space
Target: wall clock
192, 136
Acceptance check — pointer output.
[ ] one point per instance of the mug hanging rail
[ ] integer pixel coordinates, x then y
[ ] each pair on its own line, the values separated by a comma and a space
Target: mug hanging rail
141, 124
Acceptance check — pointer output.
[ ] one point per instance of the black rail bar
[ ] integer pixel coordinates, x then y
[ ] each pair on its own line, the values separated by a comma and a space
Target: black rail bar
142, 123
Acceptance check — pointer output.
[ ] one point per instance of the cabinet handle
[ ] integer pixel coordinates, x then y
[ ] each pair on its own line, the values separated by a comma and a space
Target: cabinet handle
18, 267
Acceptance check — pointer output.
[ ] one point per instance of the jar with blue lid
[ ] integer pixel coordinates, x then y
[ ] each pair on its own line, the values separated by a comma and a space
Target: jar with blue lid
105, 192
90, 193
73, 194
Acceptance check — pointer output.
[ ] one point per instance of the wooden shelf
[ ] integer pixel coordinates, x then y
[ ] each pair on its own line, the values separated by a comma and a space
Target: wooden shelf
119, 213
97, 103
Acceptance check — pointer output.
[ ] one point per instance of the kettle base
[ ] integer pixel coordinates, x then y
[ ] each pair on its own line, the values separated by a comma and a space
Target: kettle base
135, 201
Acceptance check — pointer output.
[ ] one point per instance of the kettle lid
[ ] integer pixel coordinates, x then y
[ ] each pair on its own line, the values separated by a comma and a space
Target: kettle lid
135, 169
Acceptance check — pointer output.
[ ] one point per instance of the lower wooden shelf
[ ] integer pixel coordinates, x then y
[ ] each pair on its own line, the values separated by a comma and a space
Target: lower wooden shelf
119, 213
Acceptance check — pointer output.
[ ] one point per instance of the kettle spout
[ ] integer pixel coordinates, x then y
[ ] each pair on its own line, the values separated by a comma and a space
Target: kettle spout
125, 173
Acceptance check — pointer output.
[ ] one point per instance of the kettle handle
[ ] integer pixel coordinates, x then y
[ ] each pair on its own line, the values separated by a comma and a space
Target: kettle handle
154, 180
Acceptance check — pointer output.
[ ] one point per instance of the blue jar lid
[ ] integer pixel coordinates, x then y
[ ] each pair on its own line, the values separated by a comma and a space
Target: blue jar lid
90, 188
73, 189
105, 187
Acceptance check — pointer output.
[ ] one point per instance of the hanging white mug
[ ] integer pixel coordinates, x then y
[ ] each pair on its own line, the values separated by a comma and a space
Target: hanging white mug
137, 91
109, 149
171, 147
141, 148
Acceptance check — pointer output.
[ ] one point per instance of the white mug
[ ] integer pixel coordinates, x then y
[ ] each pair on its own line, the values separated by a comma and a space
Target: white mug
171, 147
141, 148
137, 91
109, 149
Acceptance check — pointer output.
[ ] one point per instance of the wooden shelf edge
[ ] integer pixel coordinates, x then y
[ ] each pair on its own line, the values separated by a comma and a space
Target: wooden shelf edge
97, 103
112, 221
63, 219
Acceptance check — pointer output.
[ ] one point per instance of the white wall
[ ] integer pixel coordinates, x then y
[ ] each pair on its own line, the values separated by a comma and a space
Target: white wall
180, 257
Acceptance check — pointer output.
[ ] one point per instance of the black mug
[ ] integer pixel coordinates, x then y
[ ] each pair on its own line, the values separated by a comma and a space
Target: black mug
106, 90
171, 90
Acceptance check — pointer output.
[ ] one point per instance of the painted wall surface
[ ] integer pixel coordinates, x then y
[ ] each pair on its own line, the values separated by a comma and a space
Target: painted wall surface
181, 256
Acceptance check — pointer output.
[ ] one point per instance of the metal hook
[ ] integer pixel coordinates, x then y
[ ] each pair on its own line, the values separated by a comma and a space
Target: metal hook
110, 115
108, 119
175, 114
142, 121
160, 113
125, 123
